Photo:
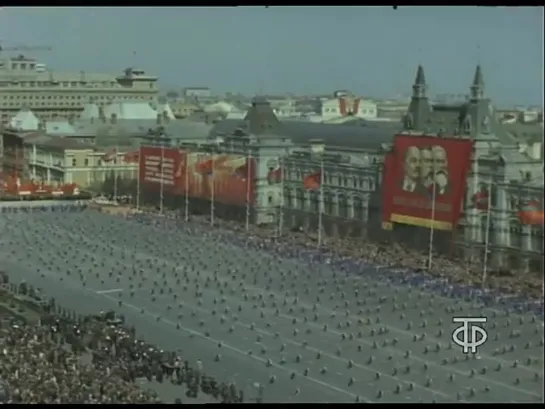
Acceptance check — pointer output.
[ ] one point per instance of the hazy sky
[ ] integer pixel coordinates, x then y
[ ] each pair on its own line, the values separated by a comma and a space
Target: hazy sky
371, 51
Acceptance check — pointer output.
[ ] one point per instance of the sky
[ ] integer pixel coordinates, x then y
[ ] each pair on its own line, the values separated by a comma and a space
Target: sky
371, 51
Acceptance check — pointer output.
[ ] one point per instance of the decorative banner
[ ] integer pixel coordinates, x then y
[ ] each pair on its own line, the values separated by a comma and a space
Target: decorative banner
231, 178
418, 166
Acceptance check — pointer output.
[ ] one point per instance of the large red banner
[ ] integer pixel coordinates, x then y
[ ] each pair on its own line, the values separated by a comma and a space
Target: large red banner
229, 178
425, 180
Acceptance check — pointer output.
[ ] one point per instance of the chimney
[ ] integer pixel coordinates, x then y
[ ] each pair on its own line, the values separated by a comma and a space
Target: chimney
113, 119
159, 119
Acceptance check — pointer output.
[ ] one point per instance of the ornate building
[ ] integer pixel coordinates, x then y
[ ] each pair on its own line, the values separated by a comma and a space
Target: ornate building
499, 168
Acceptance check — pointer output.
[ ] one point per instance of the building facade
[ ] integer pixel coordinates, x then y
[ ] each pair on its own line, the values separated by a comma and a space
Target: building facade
351, 161
38, 157
352, 164
511, 175
26, 83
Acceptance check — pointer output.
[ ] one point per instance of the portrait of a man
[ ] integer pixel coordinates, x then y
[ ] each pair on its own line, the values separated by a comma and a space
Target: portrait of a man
411, 170
440, 170
426, 168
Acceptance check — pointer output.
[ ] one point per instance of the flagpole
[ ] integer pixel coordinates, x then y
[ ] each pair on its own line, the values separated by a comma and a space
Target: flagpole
115, 174
321, 201
281, 215
487, 233
248, 186
161, 189
212, 191
432, 228
138, 181
186, 177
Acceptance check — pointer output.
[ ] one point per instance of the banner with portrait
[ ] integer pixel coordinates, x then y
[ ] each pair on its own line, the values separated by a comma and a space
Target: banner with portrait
425, 179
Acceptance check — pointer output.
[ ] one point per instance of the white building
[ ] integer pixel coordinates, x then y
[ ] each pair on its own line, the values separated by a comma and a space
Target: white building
25, 120
336, 110
197, 92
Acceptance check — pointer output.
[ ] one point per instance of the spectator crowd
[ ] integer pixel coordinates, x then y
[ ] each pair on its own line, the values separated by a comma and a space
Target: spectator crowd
98, 359
65, 358
395, 255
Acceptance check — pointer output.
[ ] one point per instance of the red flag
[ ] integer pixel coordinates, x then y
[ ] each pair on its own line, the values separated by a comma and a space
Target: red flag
531, 212
313, 181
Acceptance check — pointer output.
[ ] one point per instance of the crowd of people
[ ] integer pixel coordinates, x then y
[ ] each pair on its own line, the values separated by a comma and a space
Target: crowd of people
97, 359
394, 255
65, 358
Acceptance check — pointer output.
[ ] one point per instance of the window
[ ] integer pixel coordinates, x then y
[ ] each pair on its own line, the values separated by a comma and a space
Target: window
467, 125
86, 162
74, 84
74, 162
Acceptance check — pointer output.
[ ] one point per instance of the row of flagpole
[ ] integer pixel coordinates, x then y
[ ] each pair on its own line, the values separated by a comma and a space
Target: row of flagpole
248, 200
282, 172
487, 228
186, 185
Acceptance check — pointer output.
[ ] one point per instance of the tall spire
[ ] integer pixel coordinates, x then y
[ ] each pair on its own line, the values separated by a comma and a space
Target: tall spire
419, 87
477, 88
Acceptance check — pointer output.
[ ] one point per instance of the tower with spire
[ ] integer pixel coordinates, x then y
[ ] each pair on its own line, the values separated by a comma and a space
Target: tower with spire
477, 88
475, 115
419, 109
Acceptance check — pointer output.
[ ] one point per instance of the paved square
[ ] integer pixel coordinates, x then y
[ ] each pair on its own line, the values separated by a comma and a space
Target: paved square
305, 332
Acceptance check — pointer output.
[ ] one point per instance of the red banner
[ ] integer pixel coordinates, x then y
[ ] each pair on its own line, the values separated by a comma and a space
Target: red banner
313, 181
160, 166
229, 178
34, 190
531, 212
419, 169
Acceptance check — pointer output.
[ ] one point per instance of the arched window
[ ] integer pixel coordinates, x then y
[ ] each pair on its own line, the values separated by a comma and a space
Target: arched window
515, 233
467, 125
314, 202
486, 125
408, 121
300, 198
343, 206
358, 208
329, 206
484, 228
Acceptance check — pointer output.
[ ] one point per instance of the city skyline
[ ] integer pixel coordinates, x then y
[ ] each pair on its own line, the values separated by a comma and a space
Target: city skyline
372, 51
